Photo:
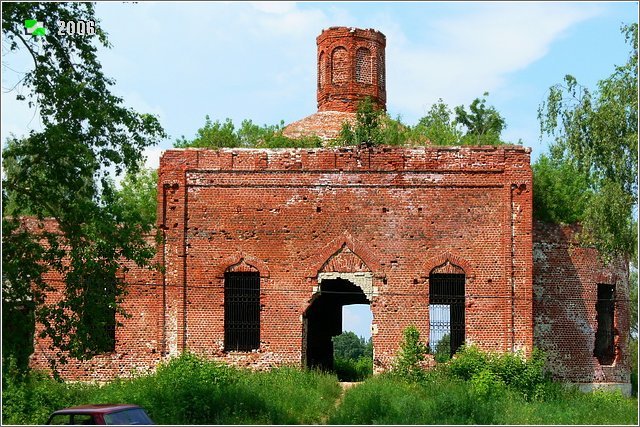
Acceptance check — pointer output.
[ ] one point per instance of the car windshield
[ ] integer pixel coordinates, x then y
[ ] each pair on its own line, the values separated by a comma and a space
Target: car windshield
128, 416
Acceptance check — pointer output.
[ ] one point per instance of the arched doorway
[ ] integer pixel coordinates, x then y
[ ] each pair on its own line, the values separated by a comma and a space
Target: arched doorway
323, 320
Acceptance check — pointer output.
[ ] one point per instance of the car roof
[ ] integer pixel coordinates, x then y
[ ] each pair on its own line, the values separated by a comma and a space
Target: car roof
104, 408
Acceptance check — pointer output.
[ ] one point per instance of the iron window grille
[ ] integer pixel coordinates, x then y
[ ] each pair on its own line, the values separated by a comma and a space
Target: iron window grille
241, 311
446, 312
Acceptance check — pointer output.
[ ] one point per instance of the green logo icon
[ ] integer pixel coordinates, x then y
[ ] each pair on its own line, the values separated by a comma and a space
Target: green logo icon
34, 27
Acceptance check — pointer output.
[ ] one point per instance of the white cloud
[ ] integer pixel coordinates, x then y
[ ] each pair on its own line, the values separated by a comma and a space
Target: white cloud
474, 52
152, 157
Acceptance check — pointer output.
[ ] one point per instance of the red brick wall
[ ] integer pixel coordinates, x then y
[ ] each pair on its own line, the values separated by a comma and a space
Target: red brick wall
566, 276
138, 339
397, 213
350, 68
402, 211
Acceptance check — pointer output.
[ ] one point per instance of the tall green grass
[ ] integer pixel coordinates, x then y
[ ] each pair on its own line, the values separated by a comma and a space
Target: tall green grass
440, 399
353, 370
473, 388
477, 388
187, 390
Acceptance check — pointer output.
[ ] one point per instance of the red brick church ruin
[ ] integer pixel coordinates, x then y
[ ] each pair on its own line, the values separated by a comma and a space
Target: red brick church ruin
262, 248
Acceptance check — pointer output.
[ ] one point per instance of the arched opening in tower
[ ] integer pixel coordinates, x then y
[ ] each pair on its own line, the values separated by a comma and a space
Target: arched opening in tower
323, 320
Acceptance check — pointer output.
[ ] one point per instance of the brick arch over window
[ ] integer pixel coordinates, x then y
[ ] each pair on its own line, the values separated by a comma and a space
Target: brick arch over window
448, 263
364, 66
322, 70
339, 65
241, 262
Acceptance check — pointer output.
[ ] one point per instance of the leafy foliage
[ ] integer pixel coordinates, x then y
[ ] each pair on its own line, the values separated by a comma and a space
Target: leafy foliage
349, 346
186, 390
438, 127
597, 133
528, 377
138, 194
412, 352
561, 192
442, 400
353, 357
64, 172
224, 134
481, 125
191, 390
442, 350
368, 129
353, 369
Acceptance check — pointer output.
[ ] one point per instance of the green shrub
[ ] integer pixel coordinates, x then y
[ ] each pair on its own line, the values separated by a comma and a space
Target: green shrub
527, 376
412, 352
353, 370
185, 390
468, 362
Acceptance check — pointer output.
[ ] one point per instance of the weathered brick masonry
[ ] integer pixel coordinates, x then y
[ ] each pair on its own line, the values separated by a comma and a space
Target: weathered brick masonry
398, 212
305, 231
566, 278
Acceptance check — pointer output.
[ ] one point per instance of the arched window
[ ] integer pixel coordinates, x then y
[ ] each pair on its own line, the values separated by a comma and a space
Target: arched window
364, 71
446, 309
381, 70
339, 66
241, 309
322, 69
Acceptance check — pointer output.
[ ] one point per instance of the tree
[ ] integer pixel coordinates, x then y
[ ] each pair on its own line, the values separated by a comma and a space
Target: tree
64, 172
438, 127
442, 351
561, 192
139, 195
483, 124
249, 135
597, 133
349, 346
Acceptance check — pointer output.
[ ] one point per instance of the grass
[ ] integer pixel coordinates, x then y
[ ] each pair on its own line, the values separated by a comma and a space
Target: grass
440, 400
187, 390
190, 390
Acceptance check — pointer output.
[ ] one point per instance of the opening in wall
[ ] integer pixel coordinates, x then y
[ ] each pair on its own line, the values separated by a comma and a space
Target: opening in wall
241, 311
604, 348
446, 314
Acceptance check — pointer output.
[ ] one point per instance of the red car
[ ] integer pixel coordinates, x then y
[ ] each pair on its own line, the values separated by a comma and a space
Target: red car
100, 414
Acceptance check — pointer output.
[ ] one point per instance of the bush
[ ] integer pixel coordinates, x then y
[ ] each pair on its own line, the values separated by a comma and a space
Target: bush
525, 376
186, 390
412, 352
353, 370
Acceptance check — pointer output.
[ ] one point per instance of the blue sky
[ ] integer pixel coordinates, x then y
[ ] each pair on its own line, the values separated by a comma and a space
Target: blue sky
182, 61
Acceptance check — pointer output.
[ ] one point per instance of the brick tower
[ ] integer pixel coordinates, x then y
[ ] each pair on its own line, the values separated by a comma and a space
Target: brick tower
351, 67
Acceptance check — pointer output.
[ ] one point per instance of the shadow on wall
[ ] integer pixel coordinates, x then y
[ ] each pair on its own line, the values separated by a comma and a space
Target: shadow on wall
576, 320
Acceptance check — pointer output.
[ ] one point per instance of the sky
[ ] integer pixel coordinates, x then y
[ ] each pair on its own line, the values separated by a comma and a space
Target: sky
257, 60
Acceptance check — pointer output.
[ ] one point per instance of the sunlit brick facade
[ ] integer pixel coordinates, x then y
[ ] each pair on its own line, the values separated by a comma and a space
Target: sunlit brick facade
261, 249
